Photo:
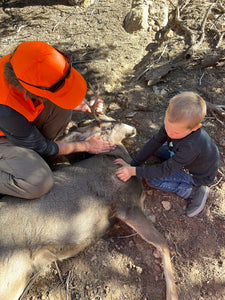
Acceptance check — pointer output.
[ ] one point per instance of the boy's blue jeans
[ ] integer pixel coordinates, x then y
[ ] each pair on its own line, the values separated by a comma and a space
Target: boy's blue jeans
180, 182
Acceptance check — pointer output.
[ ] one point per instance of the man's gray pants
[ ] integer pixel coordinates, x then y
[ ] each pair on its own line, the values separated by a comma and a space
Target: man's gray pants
23, 172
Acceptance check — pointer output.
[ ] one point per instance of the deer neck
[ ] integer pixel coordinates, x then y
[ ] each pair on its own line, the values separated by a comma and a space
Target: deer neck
120, 152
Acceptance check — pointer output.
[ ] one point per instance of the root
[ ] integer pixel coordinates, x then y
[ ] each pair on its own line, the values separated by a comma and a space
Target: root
217, 111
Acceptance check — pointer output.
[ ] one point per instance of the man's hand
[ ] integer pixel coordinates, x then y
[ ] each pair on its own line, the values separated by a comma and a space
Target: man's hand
126, 171
85, 107
97, 145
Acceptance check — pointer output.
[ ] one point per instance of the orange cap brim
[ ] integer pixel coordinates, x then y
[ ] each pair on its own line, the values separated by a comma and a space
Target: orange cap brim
70, 95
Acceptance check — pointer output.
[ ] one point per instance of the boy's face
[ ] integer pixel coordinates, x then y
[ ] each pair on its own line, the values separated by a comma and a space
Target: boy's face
178, 130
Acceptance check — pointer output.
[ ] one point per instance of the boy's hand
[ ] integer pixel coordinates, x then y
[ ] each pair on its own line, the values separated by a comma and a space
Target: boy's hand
126, 171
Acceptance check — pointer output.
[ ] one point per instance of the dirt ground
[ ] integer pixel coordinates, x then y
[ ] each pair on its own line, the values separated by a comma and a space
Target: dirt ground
121, 265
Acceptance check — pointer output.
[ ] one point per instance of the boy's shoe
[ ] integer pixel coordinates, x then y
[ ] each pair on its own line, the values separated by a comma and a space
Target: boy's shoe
197, 200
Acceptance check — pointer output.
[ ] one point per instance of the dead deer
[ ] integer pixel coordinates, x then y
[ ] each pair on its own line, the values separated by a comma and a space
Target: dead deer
80, 208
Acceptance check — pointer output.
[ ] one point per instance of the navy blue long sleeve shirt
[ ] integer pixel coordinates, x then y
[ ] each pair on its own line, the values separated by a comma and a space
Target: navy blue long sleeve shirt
196, 153
23, 133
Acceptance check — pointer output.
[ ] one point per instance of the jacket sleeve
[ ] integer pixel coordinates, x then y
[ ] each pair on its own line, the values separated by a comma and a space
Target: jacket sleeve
184, 155
23, 133
150, 147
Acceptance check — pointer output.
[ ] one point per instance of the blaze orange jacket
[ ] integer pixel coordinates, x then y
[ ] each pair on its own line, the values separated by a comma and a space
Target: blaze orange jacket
16, 99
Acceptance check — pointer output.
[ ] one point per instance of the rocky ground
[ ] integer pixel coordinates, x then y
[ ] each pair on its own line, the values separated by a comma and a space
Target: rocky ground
137, 73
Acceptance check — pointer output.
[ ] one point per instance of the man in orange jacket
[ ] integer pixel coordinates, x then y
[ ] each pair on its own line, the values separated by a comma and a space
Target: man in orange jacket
39, 91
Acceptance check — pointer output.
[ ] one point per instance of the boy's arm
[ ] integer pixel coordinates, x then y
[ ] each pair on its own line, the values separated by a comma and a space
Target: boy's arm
150, 147
183, 157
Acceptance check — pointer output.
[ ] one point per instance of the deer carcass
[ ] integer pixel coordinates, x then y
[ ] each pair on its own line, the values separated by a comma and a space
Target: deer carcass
78, 210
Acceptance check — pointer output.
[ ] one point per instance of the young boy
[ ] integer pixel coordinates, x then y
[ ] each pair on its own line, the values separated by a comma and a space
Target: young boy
191, 158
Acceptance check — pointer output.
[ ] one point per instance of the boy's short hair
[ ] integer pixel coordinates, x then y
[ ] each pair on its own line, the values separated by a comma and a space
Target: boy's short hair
186, 107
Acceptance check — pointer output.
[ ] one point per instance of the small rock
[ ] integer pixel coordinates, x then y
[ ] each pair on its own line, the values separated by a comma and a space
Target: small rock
106, 290
222, 142
156, 253
211, 16
104, 263
131, 244
114, 106
139, 270
219, 26
94, 257
163, 92
169, 34
131, 114
155, 28
149, 192
152, 218
156, 89
166, 205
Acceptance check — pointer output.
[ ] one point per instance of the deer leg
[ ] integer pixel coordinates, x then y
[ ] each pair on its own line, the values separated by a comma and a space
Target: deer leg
136, 219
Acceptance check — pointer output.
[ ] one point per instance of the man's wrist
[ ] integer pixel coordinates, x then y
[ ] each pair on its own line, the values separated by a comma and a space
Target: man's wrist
66, 148
85, 146
81, 146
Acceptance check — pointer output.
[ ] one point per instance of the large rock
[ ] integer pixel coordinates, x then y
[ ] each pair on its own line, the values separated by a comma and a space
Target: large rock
84, 3
137, 18
146, 14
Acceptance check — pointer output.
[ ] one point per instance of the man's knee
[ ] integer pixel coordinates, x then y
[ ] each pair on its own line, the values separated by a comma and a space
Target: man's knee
41, 187
23, 173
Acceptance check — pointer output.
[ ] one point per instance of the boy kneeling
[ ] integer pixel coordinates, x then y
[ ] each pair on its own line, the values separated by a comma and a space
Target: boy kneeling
191, 158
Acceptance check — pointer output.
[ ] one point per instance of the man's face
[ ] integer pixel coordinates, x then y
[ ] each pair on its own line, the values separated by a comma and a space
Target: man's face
176, 130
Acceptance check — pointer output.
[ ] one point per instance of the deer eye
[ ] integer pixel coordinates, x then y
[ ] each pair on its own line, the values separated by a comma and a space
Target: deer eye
106, 128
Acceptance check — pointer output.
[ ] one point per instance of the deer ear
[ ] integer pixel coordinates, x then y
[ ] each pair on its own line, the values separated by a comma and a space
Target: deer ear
76, 137
43, 257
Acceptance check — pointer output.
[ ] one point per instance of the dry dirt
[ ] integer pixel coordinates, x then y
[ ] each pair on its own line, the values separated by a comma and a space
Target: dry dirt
121, 266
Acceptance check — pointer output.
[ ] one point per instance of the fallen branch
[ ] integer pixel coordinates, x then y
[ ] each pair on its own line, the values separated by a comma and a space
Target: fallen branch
148, 67
204, 23
221, 36
195, 43
176, 22
221, 178
155, 75
179, 23
67, 286
212, 59
59, 272
218, 120
217, 110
